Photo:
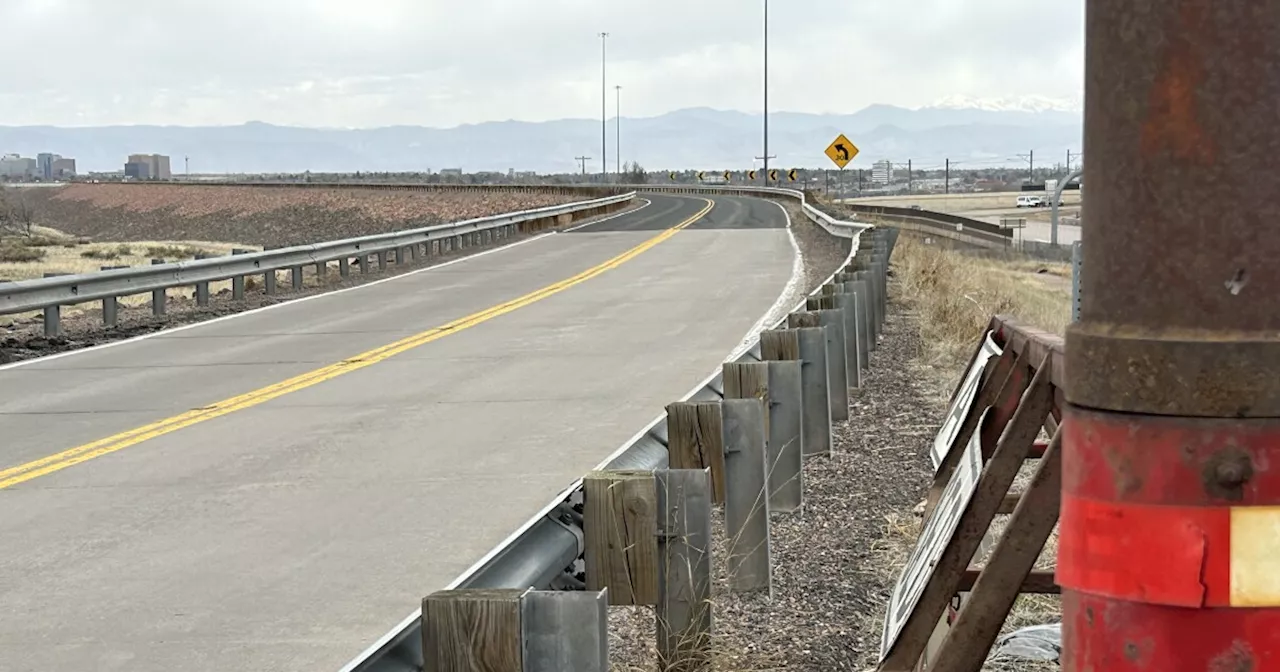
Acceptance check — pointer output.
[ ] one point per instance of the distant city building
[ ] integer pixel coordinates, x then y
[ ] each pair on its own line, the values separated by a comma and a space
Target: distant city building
451, 172
62, 168
54, 167
44, 164
148, 167
15, 167
882, 172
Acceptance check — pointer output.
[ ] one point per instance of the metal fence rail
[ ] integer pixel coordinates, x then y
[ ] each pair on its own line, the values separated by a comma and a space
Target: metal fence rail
28, 295
537, 553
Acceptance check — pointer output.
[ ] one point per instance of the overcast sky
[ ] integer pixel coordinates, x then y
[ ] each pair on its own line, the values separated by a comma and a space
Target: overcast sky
363, 63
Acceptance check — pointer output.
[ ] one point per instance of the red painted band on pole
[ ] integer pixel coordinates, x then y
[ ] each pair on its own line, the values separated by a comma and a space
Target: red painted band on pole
1167, 460
1103, 634
1171, 555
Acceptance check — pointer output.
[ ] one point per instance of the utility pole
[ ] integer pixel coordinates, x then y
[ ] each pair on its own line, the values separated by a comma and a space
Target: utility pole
604, 114
583, 160
186, 160
947, 178
766, 91
617, 123
910, 181
1172, 420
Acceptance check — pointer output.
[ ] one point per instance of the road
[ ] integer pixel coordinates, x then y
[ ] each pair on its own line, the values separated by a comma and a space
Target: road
294, 490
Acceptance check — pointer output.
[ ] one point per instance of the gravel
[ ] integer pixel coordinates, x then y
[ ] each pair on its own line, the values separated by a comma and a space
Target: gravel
835, 563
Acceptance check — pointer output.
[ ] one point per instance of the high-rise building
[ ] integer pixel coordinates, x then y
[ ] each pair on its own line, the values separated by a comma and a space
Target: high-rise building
882, 172
148, 167
44, 164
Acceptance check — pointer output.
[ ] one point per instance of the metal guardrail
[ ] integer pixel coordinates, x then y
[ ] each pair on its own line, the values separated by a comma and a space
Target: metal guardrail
28, 295
537, 554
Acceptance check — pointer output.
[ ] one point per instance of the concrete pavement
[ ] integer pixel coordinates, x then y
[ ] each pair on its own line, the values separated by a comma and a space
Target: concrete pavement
289, 534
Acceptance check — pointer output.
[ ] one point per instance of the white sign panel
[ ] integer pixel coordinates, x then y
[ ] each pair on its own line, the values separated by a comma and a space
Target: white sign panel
934, 538
964, 399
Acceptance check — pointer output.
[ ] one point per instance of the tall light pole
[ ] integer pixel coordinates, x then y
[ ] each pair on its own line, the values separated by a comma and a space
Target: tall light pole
766, 92
617, 146
604, 114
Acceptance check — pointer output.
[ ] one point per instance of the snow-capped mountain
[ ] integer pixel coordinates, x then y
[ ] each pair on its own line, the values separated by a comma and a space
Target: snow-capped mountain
1030, 103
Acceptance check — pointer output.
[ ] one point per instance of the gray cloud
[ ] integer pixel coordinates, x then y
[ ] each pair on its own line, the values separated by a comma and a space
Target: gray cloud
446, 62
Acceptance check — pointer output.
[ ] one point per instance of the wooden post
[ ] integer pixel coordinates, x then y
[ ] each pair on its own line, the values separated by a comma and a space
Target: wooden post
620, 512
695, 440
778, 384
814, 378
566, 630
684, 576
746, 509
472, 631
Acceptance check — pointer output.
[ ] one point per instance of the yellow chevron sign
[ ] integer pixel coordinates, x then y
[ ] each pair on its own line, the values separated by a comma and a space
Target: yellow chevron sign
773, 175
751, 175
791, 174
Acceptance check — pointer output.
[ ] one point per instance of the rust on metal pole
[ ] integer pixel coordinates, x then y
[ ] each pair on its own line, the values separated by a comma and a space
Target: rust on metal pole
1169, 557
1183, 280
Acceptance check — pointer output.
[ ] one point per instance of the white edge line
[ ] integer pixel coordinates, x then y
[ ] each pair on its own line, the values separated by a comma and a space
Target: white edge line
294, 302
796, 280
565, 494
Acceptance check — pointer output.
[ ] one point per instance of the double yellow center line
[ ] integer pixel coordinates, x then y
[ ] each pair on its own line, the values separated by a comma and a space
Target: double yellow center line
71, 457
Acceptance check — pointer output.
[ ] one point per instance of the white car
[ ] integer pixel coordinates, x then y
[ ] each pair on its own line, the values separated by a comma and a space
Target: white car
1030, 201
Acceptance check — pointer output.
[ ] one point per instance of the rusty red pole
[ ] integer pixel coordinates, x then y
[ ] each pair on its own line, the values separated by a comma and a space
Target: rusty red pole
1170, 529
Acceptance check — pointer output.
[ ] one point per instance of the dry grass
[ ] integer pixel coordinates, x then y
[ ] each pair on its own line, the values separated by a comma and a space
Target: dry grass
957, 292
52, 251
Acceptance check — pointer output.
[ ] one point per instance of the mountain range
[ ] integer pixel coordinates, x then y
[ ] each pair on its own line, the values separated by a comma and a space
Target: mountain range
971, 132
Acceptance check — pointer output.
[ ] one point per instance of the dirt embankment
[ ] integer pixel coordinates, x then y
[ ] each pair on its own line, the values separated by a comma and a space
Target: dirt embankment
263, 216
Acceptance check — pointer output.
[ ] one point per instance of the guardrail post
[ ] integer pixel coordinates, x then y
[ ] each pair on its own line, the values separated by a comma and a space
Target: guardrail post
777, 383
619, 522
269, 282
52, 315
110, 305
237, 283
566, 630
684, 570
815, 379
295, 274
382, 260
873, 302
847, 303
746, 509
344, 267
366, 265
695, 440
473, 631
832, 321
157, 295
866, 313
202, 293
322, 270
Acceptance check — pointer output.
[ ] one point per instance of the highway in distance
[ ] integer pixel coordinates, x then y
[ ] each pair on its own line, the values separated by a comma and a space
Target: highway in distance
277, 489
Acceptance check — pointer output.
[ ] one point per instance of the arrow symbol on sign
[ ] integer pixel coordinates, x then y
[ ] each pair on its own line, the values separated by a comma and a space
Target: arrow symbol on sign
700, 174
773, 175
791, 174
842, 152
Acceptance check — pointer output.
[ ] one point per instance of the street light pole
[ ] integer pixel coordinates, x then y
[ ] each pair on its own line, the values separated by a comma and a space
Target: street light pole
617, 146
604, 114
766, 92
